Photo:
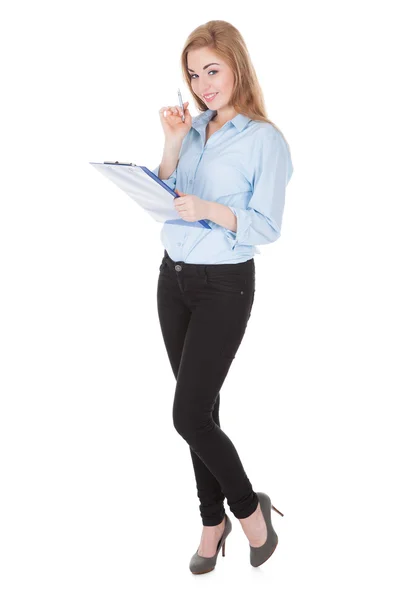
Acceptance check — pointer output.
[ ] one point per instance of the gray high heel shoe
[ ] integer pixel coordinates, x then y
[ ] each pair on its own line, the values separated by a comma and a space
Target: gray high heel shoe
259, 555
202, 564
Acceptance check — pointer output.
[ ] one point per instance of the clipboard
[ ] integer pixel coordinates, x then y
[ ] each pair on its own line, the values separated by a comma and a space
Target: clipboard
151, 193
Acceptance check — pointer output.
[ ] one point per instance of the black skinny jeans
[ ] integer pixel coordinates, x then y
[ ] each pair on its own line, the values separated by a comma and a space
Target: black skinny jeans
203, 312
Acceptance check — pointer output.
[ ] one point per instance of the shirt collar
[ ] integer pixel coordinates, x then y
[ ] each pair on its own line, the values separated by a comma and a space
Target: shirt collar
239, 121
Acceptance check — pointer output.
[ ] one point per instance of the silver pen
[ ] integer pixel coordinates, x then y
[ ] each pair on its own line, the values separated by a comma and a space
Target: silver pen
181, 105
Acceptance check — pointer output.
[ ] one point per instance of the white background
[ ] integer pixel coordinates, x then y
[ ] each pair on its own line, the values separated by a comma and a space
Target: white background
98, 492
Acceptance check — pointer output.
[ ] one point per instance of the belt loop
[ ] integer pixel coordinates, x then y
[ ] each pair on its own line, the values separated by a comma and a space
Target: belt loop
205, 274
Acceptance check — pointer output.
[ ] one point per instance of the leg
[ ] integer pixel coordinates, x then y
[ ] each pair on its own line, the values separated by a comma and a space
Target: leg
214, 333
209, 491
174, 317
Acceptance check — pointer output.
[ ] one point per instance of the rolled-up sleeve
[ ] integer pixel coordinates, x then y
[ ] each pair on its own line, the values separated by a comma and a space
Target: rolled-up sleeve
261, 222
171, 181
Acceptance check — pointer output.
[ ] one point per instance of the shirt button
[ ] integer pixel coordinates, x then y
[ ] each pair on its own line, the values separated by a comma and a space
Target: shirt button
190, 180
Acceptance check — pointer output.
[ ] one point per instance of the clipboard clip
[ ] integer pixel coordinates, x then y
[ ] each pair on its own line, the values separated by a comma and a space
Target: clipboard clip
119, 163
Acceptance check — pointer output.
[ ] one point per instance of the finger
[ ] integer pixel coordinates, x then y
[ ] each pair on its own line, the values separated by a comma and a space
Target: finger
171, 111
168, 109
178, 109
165, 111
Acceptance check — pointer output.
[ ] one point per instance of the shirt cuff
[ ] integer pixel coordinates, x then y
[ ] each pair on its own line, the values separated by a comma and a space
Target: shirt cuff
171, 181
242, 226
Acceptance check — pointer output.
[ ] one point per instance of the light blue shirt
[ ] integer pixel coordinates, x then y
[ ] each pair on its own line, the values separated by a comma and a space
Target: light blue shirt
245, 165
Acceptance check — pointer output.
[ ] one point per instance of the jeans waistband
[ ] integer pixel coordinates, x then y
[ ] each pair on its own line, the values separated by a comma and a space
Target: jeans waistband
202, 269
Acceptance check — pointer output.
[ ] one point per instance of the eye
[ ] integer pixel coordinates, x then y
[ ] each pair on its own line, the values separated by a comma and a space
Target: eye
212, 71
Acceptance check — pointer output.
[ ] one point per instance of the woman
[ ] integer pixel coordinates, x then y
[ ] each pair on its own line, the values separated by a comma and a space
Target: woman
233, 165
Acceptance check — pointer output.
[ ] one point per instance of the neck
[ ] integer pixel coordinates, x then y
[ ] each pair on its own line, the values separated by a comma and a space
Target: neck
220, 118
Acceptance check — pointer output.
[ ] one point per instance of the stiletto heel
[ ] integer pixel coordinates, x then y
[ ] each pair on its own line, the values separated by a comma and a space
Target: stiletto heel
202, 564
276, 510
259, 555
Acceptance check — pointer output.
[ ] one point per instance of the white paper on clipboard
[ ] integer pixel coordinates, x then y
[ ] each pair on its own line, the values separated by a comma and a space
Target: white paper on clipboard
146, 189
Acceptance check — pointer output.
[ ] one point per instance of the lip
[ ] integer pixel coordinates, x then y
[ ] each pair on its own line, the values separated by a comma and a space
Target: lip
214, 94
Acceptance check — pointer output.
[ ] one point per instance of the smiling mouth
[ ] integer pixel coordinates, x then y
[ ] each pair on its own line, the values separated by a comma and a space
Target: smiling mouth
210, 97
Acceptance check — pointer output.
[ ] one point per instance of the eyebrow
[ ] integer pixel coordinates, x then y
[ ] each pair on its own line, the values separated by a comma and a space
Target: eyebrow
205, 67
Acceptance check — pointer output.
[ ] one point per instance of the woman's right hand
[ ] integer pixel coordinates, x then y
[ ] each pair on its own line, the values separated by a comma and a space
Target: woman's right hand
171, 120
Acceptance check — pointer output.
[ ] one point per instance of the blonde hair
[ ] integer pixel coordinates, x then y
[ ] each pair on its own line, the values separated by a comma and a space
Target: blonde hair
227, 42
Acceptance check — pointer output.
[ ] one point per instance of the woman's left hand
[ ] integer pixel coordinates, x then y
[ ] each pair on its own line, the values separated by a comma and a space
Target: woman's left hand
191, 208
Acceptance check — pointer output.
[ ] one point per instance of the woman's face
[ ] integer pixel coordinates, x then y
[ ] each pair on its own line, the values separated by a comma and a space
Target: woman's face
216, 78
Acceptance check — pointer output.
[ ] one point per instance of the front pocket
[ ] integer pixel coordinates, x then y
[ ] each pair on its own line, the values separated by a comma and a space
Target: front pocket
228, 281
228, 286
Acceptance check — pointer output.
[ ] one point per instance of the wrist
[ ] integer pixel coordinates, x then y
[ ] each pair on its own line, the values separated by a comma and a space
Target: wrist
210, 209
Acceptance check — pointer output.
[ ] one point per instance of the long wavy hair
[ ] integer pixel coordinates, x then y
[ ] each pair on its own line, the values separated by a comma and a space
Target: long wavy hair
227, 42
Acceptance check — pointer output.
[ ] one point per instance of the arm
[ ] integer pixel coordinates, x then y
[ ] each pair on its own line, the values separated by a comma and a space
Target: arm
169, 159
261, 222
222, 215
166, 170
